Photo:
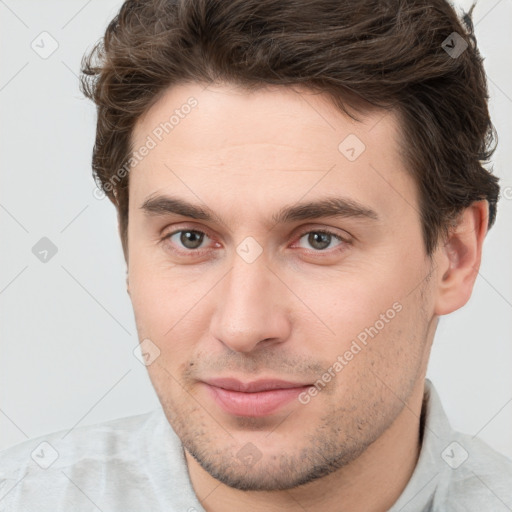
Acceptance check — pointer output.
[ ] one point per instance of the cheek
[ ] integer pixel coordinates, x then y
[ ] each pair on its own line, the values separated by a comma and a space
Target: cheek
150, 304
396, 341
167, 311
155, 290
348, 303
376, 318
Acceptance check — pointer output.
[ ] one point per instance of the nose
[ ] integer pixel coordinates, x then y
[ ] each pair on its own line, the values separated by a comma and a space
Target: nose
251, 307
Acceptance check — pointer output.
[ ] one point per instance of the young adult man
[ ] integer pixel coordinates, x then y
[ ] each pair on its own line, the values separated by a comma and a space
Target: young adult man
300, 197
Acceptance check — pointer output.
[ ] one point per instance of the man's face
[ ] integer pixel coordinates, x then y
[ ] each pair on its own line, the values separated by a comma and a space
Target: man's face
249, 296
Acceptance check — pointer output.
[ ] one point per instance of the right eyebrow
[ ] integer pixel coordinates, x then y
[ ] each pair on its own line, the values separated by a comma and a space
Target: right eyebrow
165, 205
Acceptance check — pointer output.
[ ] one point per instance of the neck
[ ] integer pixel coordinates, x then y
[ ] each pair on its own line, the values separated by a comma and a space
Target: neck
371, 483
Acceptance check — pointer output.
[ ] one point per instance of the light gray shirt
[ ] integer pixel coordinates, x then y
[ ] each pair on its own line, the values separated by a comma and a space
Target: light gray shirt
137, 464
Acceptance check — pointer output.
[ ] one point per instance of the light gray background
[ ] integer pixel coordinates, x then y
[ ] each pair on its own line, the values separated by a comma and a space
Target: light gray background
67, 328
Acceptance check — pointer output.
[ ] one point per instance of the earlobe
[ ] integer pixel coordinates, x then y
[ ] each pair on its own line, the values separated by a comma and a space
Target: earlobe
459, 258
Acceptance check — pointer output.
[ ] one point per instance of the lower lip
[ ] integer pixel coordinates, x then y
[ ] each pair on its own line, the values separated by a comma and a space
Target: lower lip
261, 403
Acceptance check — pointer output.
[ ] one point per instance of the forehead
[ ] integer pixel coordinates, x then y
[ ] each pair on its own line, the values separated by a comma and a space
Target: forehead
294, 117
228, 142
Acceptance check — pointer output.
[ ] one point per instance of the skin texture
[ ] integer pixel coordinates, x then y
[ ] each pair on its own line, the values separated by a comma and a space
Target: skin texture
291, 312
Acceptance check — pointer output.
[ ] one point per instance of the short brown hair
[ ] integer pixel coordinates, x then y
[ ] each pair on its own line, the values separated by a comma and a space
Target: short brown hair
388, 55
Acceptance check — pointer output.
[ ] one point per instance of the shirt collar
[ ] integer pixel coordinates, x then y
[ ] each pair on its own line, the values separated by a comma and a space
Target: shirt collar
431, 468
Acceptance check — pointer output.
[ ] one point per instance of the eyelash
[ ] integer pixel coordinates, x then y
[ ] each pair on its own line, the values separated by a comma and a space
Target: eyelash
188, 252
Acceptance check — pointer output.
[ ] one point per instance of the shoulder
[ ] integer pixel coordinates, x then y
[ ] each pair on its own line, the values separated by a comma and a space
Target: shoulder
62, 448
455, 472
69, 462
477, 477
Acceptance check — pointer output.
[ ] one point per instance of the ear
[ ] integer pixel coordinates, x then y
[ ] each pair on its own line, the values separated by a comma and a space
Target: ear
458, 259
127, 283
124, 253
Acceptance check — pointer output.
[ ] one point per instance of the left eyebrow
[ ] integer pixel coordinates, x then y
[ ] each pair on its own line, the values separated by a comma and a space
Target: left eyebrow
328, 207
325, 207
